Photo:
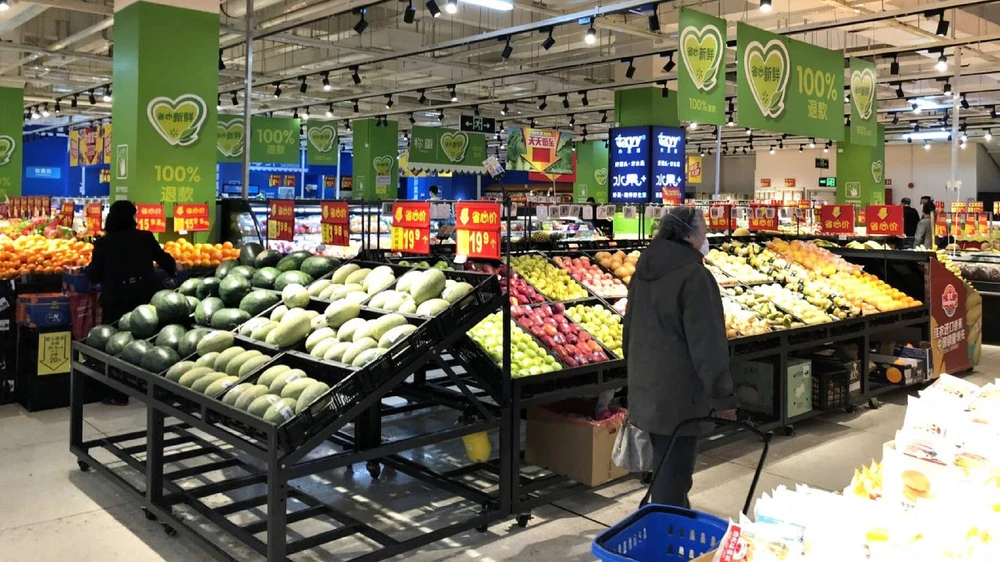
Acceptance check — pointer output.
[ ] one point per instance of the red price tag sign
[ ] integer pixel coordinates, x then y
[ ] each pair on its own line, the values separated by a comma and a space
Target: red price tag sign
335, 234
281, 220
92, 214
958, 206
940, 225
334, 212
411, 227
66, 214
150, 217
976, 207
477, 227
884, 220
334, 223
836, 219
191, 217
763, 218
983, 225
720, 218
280, 230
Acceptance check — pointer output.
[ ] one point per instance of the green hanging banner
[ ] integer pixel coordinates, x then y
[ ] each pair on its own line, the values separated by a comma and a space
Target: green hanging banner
229, 143
322, 143
11, 135
701, 78
861, 171
864, 102
635, 107
447, 150
788, 86
591, 172
163, 151
274, 140
376, 174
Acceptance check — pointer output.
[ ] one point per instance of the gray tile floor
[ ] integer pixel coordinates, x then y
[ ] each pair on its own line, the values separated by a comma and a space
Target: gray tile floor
50, 511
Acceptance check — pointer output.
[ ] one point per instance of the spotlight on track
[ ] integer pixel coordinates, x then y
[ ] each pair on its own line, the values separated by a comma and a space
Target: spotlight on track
507, 50
409, 13
549, 41
765, 6
451, 6
630, 71
326, 81
433, 8
894, 65
355, 76
543, 104
454, 93
591, 37
362, 24
303, 87
670, 63
277, 91
654, 19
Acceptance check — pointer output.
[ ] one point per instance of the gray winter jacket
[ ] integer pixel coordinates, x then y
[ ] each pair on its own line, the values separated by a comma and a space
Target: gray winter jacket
675, 340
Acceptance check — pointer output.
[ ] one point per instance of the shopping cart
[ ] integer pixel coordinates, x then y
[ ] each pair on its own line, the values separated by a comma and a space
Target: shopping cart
663, 532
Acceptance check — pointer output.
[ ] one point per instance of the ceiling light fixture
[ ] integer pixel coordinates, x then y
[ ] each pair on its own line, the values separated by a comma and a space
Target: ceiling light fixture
894, 65
665, 92
543, 104
306, 115
441, 115
326, 81
329, 111
895, 119
654, 19
947, 87
826, 148
549, 41
572, 120
591, 37
277, 91
504, 109
356, 108
451, 6
34, 112
91, 97
670, 63
355, 76
942, 25
916, 108
45, 110
413, 119
235, 99
993, 112
423, 96
295, 113
58, 108
507, 50
565, 101
454, 93
988, 136
347, 124
730, 122
942, 63
693, 126
303, 86
388, 101
765, 6
749, 131
475, 110
107, 94
74, 101
409, 13
604, 117
965, 102
433, 8
222, 65
4, 6
362, 24
584, 100
801, 149
772, 149
630, 71
927, 145
218, 102
899, 91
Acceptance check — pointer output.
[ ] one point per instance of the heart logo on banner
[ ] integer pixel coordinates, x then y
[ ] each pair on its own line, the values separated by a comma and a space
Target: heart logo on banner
863, 92
767, 68
702, 52
178, 120
383, 165
7, 146
454, 145
601, 175
230, 139
877, 169
322, 138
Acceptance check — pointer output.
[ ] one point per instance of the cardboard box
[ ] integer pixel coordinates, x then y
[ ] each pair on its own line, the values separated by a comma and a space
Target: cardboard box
918, 357
905, 373
43, 310
75, 282
561, 439
800, 386
754, 383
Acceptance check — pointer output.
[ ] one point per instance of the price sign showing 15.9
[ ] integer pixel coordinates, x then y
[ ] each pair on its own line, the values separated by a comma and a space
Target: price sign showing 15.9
149, 216
411, 227
477, 227
191, 217
281, 220
334, 223
92, 214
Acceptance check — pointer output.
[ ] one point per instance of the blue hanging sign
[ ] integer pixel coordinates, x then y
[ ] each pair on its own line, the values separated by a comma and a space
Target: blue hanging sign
630, 165
669, 160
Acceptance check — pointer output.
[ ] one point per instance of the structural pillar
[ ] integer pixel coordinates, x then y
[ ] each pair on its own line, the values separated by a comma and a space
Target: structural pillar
11, 139
164, 110
376, 171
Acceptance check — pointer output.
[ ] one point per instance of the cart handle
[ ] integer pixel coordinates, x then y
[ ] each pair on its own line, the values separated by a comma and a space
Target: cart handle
766, 437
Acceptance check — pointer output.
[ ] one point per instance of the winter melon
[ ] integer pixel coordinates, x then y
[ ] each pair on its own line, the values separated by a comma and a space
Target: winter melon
291, 330
278, 313
429, 285
432, 307
343, 272
190, 377
407, 279
233, 366
207, 360
253, 364
346, 331
260, 405
336, 351
203, 382
280, 412
390, 338
356, 348
313, 392
248, 396
175, 372
457, 291
215, 341
320, 349
295, 388
267, 377
284, 378
340, 312
367, 356
226, 356
318, 336
260, 334
316, 287
234, 393
220, 385
358, 276
295, 296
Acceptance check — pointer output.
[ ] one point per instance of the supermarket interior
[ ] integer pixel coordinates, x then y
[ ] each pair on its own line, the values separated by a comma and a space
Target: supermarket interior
385, 313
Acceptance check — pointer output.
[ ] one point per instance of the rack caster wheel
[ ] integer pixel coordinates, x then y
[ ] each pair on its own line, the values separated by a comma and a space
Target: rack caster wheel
482, 528
874, 403
149, 514
789, 431
522, 520
170, 531
374, 469
84, 467
851, 409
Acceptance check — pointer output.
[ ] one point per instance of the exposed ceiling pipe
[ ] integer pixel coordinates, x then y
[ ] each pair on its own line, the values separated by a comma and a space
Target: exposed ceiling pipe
20, 14
77, 6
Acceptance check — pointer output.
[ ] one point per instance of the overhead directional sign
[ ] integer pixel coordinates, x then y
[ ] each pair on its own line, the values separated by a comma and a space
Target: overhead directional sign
476, 124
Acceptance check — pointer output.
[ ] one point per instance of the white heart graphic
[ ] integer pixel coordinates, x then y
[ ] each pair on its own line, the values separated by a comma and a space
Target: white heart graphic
863, 77
769, 108
699, 36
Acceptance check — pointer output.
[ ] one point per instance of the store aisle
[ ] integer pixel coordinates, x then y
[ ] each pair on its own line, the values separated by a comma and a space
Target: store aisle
50, 511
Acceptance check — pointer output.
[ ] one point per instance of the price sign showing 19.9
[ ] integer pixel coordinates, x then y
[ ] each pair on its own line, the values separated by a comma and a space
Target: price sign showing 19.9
149, 216
477, 227
334, 223
191, 217
66, 214
281, 220
92, 214
411, 227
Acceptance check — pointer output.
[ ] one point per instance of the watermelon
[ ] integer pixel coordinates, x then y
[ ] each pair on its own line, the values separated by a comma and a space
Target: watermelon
116, 344
189, 342
229, 318
209, 288
259, 300
144, 321
172, 308
249, 253
243, 271
233, 289
293, 260
203, 313
193, 303
98, 336
159, 359
134, 351
189, 288
267, 258
124, 323
223, 270
170, 336
289, 277
318, 266
160, 296
264, 277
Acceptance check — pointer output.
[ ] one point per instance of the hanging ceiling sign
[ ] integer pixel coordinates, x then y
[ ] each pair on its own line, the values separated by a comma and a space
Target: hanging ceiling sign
864, 103
539, 150
701, 78
446, 150
476, 124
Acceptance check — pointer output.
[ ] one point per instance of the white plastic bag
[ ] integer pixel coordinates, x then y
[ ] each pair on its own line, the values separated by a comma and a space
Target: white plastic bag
633, 451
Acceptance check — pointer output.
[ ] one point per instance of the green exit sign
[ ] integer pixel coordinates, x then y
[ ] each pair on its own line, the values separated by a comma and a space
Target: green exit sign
828, 182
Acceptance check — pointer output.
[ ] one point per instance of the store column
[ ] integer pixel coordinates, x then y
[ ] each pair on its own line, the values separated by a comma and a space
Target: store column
646, 106
376, 147
11, 135
591, 172
861, 172
164, 109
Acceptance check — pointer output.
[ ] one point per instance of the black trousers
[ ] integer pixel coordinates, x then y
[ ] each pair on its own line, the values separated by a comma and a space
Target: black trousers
673, 482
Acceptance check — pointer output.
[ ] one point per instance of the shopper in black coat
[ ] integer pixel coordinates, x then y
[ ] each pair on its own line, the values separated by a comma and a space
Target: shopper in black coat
910, 218
676, 347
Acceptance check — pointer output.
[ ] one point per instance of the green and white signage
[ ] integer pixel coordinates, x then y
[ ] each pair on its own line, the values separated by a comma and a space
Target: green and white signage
274, 140
864, 102
376, 175
163, 143
861, 171
11, 134
230, 139
788, 86
447, 150
322, 144
701, 77
591, 172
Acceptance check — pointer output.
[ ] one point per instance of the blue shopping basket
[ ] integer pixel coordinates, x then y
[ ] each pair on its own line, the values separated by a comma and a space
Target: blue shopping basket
667, 533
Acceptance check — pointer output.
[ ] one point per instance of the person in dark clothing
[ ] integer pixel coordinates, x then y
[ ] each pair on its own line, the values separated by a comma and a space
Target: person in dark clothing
910, 218
122, 263
676, 347
924, 233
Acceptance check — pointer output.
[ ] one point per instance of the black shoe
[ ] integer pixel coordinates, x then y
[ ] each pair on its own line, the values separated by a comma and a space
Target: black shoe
115, 401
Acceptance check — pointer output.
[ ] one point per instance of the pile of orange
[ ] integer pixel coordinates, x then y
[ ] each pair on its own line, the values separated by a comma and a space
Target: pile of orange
36, 254
200, 255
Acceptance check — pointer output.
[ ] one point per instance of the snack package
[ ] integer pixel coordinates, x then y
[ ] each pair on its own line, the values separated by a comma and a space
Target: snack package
747, 541
952, 389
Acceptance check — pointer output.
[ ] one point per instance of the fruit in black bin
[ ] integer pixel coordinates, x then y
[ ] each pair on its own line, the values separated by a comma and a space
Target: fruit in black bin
520, 291
549, 324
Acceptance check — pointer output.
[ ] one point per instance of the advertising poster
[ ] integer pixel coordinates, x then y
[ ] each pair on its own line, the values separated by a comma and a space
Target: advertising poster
539, 150
694, 169
701, 76
11, 126
91, 146
669, 164
322, 143
950, 329
274, 140
74, 148
630, 167
591, 172
106, 144
864, 102
439, 149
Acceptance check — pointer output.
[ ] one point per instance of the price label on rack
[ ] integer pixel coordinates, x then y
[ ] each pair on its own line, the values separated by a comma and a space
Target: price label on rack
477, 228
92, 215
66, 214
334, 223
764, 218
411, 227
281, 220
976, 206
191, 217
940, 225
720, 218
150, 216
836, 219
884, 220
